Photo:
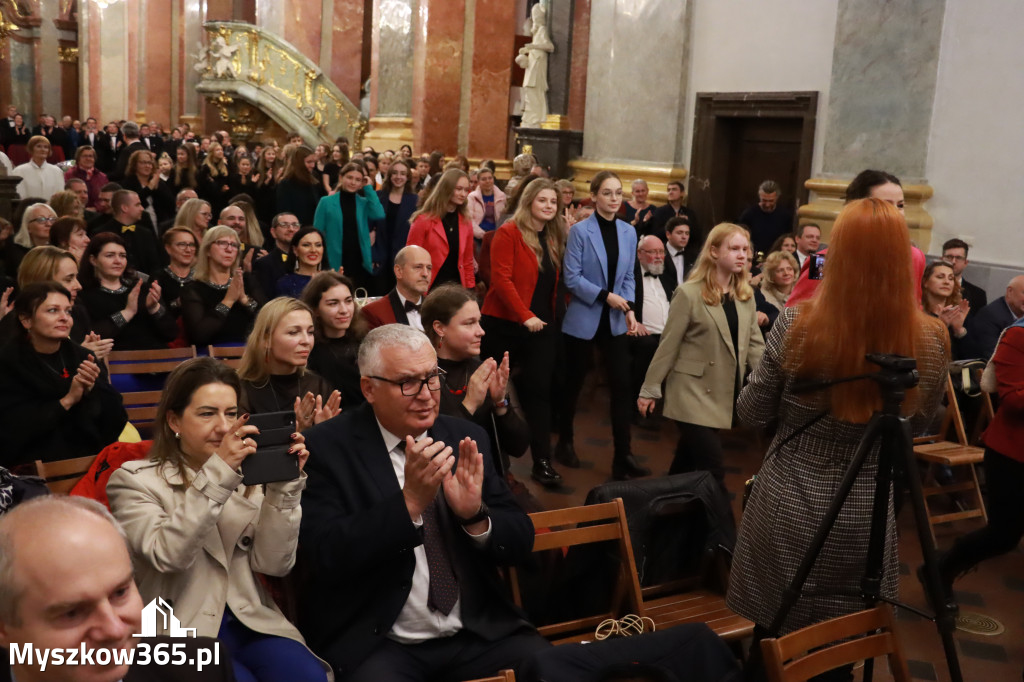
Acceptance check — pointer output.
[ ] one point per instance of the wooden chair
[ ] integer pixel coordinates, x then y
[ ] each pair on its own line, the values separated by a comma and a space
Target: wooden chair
141, 408
816, 649
957, 455
158, 361
503, 676
61, 476
231, 355
574, 527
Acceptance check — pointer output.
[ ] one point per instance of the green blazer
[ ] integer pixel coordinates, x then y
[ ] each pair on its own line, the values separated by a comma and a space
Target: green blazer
696, 360
328, 221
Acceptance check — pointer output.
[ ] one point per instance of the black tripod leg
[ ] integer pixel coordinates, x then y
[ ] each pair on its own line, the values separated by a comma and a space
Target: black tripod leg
792, 593
945, 618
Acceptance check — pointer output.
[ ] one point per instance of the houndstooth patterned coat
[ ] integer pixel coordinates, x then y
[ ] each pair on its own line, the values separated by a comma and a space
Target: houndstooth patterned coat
795, 486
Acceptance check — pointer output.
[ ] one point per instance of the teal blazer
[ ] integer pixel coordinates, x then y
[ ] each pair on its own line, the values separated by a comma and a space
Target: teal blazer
328, 221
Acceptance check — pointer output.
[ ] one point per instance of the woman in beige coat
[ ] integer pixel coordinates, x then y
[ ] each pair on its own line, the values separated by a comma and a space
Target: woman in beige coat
201, 537
711, 340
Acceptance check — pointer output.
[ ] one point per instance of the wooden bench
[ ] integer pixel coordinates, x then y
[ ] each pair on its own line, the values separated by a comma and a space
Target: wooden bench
230, 355
157, 361
141, 408
61, 476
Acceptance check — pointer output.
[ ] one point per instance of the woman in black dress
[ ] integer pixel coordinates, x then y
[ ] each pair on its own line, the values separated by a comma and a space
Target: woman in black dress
122, 306
399, 202
273, 368
156, 195
213, 178
217, 306
338, 328
298, 192
55, 401
181, 245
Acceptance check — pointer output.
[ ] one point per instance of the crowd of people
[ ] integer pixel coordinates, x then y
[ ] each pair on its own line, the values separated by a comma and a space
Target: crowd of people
421, 325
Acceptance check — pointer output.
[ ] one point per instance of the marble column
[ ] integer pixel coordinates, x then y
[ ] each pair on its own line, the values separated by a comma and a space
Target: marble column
577, 101
884, 70
437, 74
391, 74
486, 101
159, 53
341, 47
632, 37
48, 64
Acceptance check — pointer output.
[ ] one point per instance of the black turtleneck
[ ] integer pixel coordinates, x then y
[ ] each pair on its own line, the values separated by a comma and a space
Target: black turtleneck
610, 237
351, 253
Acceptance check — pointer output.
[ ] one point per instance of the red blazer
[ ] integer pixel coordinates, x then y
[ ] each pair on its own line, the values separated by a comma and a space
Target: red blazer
428, 232
1005, 434
385, 310
513, 276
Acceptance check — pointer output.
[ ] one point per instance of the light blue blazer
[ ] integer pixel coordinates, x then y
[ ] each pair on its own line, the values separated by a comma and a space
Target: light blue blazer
585, 271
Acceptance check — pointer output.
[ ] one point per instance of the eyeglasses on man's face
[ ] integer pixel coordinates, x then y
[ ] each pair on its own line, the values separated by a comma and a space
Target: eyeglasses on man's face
413, 386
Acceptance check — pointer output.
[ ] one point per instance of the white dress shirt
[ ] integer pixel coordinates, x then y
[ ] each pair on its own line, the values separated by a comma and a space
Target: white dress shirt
39, 181
677, 260
801, 258
655, 310
415, 321
417, 622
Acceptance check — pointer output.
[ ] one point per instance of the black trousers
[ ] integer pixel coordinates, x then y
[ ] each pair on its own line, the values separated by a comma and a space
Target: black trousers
463, 656
641, 352
699, 449
614, 352
1005, 481
531, 356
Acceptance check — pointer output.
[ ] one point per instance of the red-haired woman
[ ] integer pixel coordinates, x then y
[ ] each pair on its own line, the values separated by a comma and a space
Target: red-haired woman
519, 310
818, 432
444, 229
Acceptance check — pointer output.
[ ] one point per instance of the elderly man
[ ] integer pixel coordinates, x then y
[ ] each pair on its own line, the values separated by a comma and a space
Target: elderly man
654, 287
38, 177
984, 330
130, 132
68, 585
404, 523
402, 304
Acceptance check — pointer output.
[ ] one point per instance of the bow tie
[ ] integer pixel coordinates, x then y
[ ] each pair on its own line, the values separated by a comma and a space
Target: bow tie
411, 307
127, 228
650, 274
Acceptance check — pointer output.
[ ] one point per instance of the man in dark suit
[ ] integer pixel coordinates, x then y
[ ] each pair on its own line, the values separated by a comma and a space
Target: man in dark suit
110, 145
132, 144
270, 268
679, 253
675, 207
71, 587
402, 304
766, 220
654, 287
153, 142
955, 251
404, 523
984, 330
129, 220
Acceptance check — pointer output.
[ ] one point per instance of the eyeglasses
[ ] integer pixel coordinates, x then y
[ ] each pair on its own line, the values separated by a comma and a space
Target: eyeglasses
51, 220
227, 245
287, 224
411, 387
954, 258
185, 245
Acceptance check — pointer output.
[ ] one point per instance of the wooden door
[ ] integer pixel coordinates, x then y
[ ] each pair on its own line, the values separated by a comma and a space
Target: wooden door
760, 149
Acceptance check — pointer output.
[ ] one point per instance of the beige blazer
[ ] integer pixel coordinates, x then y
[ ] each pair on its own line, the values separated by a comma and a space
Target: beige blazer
696, 361
199, 547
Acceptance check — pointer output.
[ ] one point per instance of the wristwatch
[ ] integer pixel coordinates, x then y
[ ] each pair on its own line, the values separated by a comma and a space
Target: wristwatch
481, 514
504, 402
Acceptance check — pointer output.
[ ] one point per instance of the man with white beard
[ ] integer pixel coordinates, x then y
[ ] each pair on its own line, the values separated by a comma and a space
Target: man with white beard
653, 293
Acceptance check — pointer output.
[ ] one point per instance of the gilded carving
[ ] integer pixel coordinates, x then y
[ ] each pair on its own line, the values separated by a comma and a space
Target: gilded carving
68, 55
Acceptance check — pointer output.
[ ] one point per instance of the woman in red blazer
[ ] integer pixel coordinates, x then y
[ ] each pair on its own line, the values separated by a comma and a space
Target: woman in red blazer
444, 229
1004, 467
519, 309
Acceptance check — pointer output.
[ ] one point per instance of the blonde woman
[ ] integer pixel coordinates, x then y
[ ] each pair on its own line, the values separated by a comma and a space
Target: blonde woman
710, 341
66, 204
273, 368
195, 215
779, 272
213, 178
443, 227
217, 306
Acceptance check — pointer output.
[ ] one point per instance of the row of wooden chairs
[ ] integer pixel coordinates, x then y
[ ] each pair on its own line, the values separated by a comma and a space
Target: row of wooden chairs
165, 360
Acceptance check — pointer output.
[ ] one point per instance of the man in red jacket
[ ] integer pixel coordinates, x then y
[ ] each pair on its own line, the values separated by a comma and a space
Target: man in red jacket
402, 304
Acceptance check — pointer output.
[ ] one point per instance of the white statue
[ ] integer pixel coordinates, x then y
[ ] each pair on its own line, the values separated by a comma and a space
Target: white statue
534, 58
218, 56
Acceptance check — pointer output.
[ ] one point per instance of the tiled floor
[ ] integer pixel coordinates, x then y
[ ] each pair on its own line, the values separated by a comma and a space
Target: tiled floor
995, 589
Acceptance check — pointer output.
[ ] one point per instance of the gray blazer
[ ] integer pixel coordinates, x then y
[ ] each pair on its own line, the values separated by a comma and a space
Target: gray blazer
696, 360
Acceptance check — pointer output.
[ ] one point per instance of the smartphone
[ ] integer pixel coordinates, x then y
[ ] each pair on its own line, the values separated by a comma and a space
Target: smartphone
816, 268
271, 462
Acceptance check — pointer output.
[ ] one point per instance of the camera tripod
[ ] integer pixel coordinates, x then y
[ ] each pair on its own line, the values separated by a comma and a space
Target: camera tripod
895, 462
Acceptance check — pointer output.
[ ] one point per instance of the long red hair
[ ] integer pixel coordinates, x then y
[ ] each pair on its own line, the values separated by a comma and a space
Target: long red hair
866, 303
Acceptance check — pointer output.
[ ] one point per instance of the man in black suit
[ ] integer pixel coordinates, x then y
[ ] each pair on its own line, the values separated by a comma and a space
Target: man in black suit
132, 144
674, 208
129, 220
108, 147
984, 330
152, 141
955, 251
71, 587
402, 304
270, 268
654, 287
679, 253
404, 523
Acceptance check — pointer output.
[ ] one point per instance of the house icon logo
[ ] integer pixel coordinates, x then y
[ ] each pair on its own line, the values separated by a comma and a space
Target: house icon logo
158, 617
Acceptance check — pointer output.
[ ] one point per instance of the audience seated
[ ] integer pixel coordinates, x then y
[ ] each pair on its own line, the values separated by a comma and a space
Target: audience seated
129, 220
785, 243
473, 389
808, 239
442, 227
273, 369
70, 233
383, 546
55, 400
102, 207
217, 306
181, 245
984, 330
305, 258
955, 251
412, 281
199, 537
778, 278
940, 297
270, 268
34, 231
69, 585
338, 329
638, 212
680, 255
